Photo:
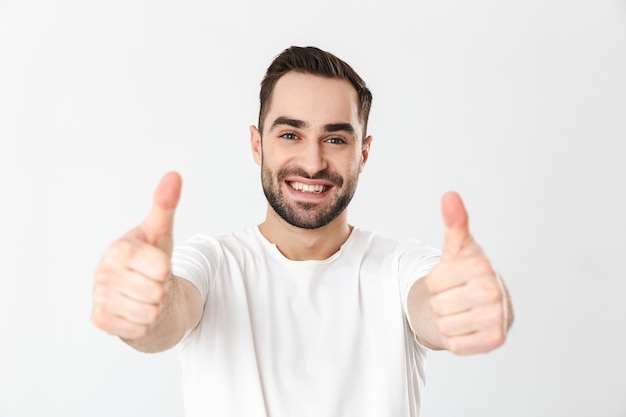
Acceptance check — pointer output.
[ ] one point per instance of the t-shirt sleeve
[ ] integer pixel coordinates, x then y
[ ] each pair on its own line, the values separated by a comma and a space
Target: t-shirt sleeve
415, 261
197, 261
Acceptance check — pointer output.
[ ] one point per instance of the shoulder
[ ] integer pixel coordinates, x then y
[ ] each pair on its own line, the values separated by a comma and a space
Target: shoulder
405, 254
236, 242
202, 257
389, 245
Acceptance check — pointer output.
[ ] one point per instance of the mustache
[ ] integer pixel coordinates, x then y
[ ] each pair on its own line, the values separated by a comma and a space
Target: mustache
324, 174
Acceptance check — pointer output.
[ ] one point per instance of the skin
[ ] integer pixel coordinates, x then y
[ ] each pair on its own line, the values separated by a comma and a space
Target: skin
313, 134
462, 305
136, 297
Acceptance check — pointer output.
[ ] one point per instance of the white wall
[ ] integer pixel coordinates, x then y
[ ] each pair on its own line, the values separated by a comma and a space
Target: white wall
519, 105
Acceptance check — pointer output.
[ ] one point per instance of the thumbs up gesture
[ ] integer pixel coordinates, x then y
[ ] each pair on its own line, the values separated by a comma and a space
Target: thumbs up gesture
468, 299
132, 279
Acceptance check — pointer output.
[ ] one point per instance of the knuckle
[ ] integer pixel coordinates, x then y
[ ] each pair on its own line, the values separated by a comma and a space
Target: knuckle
455, 347
99, 301
481, 265
102, 276
121, 249
486, 292
155, 294
498, 312
442, 326
486, 319
139, 331
435, 306
493, 339
100, 320
162, 271
491, 291
159, 293
430, 282
152, 314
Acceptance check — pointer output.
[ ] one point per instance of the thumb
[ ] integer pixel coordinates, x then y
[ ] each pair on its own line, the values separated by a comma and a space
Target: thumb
457, 234
158, 226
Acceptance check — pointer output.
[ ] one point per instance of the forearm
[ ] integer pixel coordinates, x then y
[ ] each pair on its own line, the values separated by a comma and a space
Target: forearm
423, 321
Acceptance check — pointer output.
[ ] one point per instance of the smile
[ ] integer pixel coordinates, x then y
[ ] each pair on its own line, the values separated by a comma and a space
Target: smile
308, 188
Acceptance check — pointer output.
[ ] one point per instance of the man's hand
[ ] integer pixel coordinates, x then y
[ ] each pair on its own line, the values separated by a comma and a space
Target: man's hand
134, 275
467, 297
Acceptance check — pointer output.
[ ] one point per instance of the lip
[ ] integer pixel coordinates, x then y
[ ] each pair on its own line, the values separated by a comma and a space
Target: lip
308, 181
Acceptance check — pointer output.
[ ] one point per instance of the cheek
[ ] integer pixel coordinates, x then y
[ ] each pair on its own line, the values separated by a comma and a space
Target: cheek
353, 162
275, 156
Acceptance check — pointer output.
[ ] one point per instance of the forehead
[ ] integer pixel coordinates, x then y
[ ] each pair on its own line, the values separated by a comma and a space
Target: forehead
315, 99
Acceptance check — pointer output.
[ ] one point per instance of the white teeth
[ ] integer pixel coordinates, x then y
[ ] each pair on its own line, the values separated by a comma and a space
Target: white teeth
305, 188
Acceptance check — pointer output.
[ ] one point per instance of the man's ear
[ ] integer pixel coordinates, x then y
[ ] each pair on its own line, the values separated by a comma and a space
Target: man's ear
365, 152
255, 144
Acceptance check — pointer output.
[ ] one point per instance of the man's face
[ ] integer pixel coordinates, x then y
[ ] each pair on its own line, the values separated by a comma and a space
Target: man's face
311, 153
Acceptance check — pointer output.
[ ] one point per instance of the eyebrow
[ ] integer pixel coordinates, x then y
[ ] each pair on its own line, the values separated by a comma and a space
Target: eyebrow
339, 127
301, 124
282, 120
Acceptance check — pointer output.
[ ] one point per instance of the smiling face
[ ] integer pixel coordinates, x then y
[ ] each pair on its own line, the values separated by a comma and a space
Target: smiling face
312, 149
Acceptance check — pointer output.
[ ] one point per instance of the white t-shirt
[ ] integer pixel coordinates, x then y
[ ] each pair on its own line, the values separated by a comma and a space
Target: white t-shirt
302, 338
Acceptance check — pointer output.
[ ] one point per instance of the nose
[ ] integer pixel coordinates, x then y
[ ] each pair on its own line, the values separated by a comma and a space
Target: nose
312, 158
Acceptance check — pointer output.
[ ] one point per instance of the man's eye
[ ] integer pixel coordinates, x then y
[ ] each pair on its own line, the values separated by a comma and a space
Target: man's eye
290, 136
336, 141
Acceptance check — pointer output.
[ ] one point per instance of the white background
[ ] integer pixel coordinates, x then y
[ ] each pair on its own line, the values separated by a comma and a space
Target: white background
518, 105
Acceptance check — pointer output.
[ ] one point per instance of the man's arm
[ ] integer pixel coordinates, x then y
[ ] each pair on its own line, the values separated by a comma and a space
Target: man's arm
422, 318
462, 305
136, 297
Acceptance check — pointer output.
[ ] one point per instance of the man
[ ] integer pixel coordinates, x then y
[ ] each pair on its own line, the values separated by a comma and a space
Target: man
304, 314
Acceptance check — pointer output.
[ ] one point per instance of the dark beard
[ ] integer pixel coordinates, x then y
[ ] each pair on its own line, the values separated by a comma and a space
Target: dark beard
307, 215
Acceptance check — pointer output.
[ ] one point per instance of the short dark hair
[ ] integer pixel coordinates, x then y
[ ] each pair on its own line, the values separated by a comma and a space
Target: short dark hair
312, 60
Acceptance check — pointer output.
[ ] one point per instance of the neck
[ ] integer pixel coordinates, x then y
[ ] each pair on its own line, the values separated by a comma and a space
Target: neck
300, 244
